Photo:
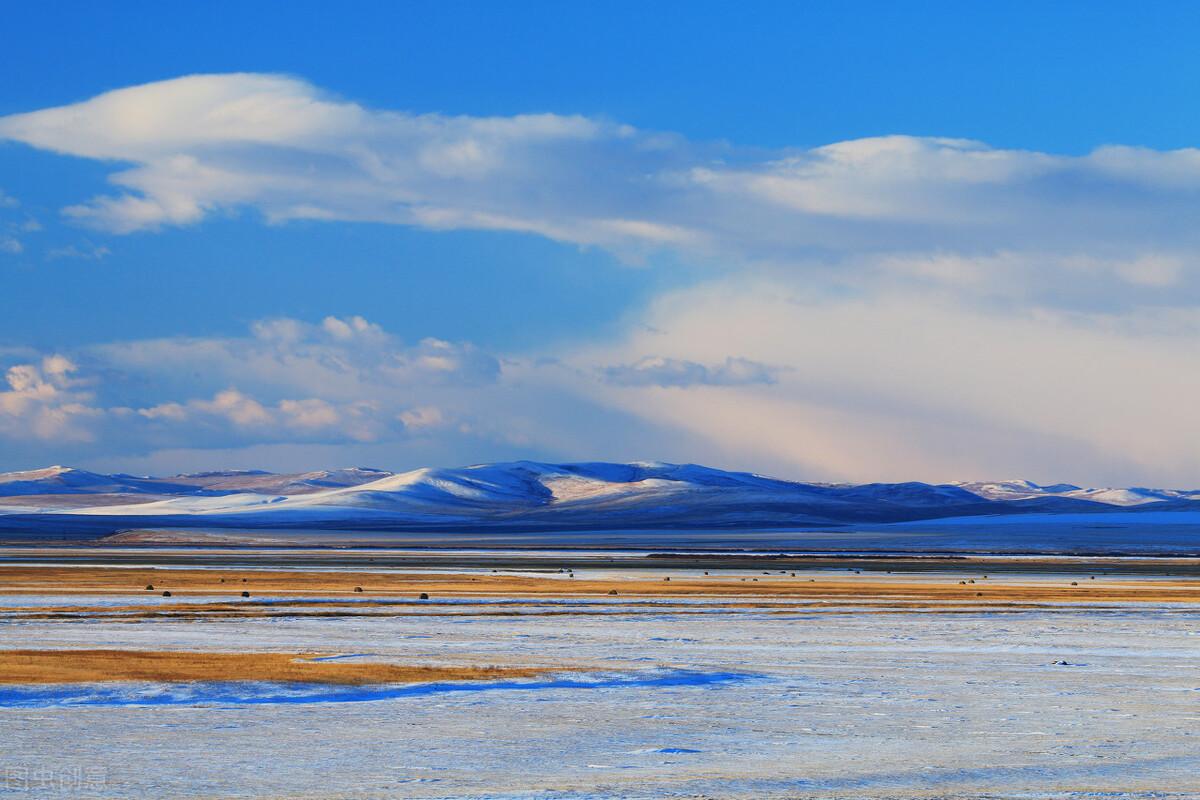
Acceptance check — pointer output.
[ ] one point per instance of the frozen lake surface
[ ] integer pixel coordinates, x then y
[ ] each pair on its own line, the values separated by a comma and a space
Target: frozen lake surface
735, 702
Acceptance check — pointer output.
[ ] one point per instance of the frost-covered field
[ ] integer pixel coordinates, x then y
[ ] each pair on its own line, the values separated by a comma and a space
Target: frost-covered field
736, 702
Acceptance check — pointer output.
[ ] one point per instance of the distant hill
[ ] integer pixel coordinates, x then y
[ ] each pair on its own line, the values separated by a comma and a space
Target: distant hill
527, 495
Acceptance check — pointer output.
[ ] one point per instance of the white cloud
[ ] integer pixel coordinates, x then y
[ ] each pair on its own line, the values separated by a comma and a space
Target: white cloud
175, 412
45, 402
343, 380
205, 143
424, 417
245, 417
351, 328
236, 407
340, 359
311, 413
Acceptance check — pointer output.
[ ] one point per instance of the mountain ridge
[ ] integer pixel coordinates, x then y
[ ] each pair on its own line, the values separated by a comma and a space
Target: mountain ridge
533, 495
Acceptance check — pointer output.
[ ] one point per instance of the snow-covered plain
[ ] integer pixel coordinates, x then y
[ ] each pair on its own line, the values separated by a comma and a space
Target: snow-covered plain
731, 702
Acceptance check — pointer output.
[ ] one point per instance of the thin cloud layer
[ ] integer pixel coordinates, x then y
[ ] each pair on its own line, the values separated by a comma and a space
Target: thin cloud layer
212, 144
659, 371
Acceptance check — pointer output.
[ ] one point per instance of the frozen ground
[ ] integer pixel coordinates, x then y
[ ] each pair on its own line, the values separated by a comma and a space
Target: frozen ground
729, 703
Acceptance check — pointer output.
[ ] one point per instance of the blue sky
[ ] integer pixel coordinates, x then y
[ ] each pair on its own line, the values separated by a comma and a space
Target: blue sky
635, 241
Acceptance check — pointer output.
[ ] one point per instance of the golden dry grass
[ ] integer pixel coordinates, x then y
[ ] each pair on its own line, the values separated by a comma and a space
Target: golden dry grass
925, 588
91, 666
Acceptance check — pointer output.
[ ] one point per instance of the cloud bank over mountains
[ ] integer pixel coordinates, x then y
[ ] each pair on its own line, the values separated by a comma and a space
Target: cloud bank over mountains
885, 308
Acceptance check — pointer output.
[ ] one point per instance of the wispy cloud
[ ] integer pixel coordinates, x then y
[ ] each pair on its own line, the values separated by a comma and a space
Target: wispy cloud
659, 371
84, 252
12, 230
210, 143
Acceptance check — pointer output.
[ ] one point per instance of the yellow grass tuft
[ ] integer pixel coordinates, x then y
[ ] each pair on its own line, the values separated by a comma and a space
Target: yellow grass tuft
92, 666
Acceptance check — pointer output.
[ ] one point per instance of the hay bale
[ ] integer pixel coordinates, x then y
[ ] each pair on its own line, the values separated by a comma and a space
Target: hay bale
424, 596
245, 594
166, 594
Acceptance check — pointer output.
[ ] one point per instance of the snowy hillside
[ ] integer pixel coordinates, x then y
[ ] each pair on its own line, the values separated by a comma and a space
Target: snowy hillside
530, 495
67, 480
1026, 490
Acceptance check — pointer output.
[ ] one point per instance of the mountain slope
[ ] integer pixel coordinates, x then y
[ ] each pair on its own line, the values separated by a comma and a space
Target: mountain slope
533, 496
528, 494
1027, 490
270, 483
67, 480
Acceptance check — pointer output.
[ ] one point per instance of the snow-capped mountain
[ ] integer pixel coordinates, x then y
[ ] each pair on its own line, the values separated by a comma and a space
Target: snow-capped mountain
527, 495
59, 480
270, 483
68, 480
1027, 490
